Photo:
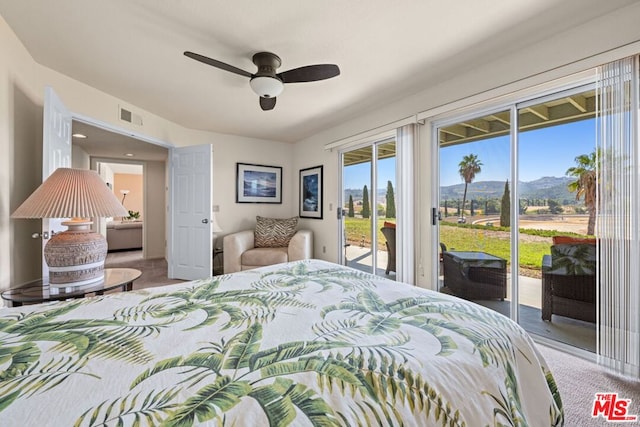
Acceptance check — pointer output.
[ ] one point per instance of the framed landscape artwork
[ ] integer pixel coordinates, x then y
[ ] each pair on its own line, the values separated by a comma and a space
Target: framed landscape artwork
311, 192
258, 183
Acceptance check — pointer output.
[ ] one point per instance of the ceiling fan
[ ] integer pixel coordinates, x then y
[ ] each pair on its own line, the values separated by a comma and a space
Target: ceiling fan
268, 84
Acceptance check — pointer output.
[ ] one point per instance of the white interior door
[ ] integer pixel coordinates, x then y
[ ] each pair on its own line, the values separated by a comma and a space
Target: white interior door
190, 242
56, 153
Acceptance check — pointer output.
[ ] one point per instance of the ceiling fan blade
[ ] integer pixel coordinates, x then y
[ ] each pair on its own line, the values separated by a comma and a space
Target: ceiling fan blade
267, 103
218, 64
309, 73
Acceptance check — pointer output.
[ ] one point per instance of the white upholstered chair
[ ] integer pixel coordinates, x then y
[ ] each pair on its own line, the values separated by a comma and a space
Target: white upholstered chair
241, 253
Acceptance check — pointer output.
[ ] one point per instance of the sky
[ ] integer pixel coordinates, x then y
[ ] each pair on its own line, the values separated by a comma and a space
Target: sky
542, 152
357, 176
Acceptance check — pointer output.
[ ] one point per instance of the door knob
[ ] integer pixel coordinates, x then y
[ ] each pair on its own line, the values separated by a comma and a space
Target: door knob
205, 221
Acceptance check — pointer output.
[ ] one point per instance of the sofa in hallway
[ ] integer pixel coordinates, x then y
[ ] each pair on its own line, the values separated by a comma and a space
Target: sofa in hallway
124, 235
569, 282
273, 241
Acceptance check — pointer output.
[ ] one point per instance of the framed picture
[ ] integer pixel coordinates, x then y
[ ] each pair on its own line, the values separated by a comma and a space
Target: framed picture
258, 183
311, 193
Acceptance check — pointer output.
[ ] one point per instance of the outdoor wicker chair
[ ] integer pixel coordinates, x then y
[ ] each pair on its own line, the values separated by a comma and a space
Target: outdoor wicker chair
569, 282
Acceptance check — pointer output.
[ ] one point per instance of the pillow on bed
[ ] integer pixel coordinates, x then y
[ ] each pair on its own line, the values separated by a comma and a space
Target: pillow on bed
274, 232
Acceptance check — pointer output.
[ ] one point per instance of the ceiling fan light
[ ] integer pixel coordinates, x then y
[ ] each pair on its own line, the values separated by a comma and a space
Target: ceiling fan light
266, 87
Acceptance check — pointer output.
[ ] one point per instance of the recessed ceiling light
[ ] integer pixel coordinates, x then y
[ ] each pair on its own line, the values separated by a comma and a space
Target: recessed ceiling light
79, 135
128, 154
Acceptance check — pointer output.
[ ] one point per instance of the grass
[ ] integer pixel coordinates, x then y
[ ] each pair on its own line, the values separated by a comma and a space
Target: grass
497, 243
358, 231
466, 237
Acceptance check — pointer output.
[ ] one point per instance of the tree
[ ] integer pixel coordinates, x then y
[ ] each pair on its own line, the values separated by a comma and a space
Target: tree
468, 168
555, 207
505, 207
391, 201
522, 206
472, 212
446, 210
491, 207
366, 211
586, 184
351, 212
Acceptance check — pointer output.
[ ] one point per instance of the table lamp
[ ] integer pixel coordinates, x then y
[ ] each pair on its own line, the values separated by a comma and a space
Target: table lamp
75, 257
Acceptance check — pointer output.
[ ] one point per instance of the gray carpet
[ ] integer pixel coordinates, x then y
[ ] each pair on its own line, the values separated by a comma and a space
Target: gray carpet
579, 380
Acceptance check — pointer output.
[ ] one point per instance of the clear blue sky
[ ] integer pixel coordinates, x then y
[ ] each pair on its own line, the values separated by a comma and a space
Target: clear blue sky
357, 176
543, 152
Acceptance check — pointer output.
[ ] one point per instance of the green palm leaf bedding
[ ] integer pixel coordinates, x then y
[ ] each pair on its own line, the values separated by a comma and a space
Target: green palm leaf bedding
308, 343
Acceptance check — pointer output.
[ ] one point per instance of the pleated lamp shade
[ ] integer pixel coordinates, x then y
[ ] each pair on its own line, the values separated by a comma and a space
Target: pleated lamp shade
71, 193
75, 257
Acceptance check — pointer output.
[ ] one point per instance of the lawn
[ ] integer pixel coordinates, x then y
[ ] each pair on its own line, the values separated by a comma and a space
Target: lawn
496, 242
358, 231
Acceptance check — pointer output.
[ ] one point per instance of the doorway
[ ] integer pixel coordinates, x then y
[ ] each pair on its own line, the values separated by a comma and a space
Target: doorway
145, 166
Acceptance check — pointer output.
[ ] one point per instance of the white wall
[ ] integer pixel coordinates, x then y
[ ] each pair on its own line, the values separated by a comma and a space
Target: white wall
155, 201
572, 51
79, 158
20, 169
22, 84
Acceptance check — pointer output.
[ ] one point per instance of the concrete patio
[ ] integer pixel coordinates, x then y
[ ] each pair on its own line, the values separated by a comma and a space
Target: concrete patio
563, 329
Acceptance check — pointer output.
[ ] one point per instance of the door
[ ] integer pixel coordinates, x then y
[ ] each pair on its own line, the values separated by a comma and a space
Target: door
474, 208
368, 204
190, 238
56, 153
516, 228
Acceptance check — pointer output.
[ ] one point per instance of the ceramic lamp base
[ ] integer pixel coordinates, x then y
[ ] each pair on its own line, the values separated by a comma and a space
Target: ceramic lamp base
75, 257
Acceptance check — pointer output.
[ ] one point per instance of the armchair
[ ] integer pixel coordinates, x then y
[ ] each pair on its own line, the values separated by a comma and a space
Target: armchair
241, 253
569, 282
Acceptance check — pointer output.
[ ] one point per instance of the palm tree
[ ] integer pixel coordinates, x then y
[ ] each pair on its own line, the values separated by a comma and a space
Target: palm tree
586, 184
468, 168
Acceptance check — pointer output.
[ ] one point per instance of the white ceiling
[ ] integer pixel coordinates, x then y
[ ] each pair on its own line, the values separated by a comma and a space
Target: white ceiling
105, 144
386, 50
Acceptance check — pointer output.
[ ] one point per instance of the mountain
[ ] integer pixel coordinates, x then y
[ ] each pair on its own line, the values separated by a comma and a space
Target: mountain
547, 187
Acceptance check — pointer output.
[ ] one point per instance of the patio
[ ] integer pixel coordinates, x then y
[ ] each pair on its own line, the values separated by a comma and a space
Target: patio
563, 329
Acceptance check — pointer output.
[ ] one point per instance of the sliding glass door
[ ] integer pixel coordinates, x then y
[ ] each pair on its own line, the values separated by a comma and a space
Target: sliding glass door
368, 207
517, 175
557, 257
475, 242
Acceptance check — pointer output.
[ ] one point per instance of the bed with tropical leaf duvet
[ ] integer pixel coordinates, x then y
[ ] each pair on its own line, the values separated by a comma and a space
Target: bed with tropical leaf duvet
308, 343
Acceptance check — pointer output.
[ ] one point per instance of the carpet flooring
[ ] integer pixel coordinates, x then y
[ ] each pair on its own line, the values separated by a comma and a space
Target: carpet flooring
578, 379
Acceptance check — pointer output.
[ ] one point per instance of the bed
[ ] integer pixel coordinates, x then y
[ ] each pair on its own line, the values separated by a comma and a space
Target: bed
302, 343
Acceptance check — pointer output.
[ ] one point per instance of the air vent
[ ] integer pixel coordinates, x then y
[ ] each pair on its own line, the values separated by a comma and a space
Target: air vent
129, 117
